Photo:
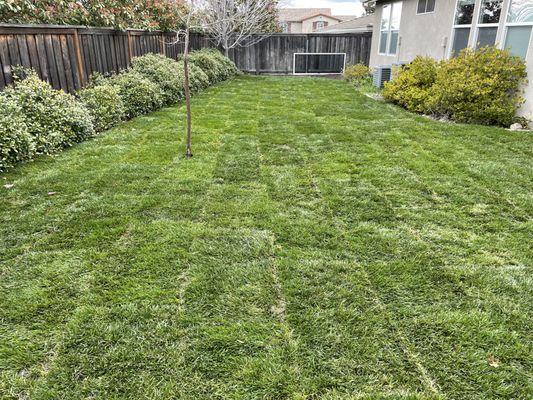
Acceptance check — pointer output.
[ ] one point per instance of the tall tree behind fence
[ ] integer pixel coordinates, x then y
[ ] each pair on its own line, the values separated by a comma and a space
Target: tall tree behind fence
66, 56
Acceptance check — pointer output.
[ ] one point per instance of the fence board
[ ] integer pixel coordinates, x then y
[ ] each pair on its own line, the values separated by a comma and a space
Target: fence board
67, 56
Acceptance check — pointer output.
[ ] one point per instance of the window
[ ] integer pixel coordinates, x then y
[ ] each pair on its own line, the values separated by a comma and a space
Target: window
489, 18
425, 6
519, 26
391, 15
517, 40
486, 36
521, 11
320, 25
464, 14
490, 12
285, 28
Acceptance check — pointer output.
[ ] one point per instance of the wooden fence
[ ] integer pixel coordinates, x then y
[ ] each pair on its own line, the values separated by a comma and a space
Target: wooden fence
274, 54
66, 56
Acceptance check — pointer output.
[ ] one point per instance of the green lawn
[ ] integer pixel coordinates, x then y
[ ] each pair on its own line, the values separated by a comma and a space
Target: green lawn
320, 245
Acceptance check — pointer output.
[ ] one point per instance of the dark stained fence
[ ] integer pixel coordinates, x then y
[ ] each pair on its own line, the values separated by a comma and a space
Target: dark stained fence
275, 53
66, 56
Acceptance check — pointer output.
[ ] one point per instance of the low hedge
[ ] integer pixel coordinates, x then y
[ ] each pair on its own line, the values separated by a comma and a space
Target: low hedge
16, 144
54, 119
164, 72
198, 79
36, 119
104, 104
482, 87
217, 67
139, 94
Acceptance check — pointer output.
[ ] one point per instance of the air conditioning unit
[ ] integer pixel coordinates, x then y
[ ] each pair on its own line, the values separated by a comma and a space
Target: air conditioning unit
382, 74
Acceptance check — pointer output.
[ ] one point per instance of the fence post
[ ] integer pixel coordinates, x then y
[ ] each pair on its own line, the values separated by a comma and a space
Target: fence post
130, 48
257, 47
163, 46
79, 61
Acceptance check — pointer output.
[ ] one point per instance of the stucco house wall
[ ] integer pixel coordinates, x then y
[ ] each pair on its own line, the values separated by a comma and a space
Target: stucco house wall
432, 34
295, 27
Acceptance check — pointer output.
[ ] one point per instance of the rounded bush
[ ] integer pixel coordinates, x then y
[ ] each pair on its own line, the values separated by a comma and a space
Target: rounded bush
411, 88
357, 74
164, 72
479, 86
482, 87
16, 144
139, 94
104, 104
54, 119
216, 66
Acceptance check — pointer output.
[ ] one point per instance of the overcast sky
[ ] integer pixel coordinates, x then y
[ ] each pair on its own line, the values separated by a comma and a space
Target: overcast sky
349, 7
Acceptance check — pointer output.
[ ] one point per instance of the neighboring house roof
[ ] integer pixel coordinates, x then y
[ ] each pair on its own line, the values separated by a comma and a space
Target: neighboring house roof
346, 17
301, 14
361, 24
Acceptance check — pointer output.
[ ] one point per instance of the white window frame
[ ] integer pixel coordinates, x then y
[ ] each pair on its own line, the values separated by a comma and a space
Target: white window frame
479, 24
475, 25
455, 26
389, 31
510, 24
319, 73
425, 12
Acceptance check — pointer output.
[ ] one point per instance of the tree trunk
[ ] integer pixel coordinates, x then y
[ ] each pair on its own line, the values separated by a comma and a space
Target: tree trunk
188, 151
226, 47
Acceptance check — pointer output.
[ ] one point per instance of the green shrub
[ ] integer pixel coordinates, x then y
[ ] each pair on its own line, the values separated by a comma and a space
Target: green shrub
16, 144
480, 87
198, 80
104, 105
357, 74
217, 67
164, 72
54, 119
99, 79
412, 85
139, 94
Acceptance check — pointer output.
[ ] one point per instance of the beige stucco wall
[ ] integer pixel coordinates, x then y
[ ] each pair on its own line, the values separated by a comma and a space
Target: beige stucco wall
527, 109
307, 25
420, 34
426, 34
296, 27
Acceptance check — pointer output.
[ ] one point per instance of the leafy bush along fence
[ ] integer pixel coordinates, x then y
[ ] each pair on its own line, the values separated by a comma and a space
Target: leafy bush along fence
480, 87
37, 119
67, 56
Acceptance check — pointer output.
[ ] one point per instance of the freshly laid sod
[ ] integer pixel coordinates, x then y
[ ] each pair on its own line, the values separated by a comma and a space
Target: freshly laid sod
320, 245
